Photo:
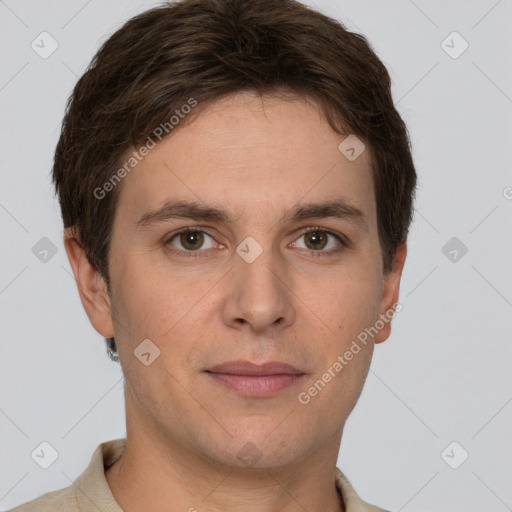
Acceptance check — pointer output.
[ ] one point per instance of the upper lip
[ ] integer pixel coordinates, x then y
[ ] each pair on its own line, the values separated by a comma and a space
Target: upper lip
248, 368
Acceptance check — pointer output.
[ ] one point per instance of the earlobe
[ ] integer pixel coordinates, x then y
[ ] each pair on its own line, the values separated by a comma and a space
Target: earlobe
91, 285
390, 293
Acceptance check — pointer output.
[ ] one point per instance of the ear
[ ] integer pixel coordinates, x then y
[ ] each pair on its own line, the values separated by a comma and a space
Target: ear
390, 291
91, 285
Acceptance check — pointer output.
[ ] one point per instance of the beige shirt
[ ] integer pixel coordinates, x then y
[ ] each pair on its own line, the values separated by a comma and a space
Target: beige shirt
90, 491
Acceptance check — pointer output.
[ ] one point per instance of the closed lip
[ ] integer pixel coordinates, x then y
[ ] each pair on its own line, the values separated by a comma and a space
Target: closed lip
252, 369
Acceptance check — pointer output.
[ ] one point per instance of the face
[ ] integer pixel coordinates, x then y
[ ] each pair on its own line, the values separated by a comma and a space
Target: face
246, 236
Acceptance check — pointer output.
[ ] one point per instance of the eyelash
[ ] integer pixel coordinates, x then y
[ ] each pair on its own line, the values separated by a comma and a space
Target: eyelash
200, 252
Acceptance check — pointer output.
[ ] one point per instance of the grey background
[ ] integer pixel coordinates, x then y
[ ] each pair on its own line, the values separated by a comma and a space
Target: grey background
443, 376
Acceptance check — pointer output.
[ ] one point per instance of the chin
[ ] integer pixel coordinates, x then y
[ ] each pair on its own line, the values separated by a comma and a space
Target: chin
263, 449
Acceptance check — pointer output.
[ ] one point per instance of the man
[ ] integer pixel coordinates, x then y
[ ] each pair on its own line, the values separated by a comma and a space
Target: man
236, 189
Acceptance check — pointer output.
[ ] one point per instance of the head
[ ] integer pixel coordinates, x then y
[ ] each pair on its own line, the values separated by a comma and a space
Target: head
229, 117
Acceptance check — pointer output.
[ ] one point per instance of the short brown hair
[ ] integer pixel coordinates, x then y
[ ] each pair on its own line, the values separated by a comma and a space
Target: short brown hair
206, 49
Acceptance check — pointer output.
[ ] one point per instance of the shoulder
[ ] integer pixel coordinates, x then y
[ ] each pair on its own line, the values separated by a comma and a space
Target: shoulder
353, 502
57, 501
89, 492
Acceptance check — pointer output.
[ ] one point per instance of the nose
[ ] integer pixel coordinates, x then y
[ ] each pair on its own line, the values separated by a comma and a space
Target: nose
259, 297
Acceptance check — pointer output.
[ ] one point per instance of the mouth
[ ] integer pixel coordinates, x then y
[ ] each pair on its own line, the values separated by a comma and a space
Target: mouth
249, 379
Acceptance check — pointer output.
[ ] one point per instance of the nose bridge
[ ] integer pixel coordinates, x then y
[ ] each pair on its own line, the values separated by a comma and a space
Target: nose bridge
260, 293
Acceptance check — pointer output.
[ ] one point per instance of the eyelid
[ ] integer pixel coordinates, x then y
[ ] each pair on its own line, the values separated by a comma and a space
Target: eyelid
331, 232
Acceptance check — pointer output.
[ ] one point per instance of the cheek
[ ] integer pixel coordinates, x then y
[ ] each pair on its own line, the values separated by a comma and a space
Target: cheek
328, 398
344, 361
350, 300
150, 302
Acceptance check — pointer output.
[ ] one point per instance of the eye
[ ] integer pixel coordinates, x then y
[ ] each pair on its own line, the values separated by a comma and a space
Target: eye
317, 239
191, 240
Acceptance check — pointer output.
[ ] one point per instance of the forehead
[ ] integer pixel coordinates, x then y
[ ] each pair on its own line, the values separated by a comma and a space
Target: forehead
251, 152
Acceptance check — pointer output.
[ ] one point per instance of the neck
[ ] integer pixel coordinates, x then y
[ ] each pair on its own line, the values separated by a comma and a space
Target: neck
159, 473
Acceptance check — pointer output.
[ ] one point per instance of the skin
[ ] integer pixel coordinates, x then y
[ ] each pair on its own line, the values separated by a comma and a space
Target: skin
256, 158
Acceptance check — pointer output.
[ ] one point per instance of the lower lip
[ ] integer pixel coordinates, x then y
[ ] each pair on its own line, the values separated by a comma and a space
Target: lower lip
257, 385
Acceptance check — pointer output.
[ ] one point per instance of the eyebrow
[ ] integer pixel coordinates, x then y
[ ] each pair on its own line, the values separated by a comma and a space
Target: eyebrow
338, 209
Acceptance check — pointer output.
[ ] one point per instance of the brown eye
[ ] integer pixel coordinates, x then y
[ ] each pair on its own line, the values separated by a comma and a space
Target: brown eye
320, 242
191, 240
316, 239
